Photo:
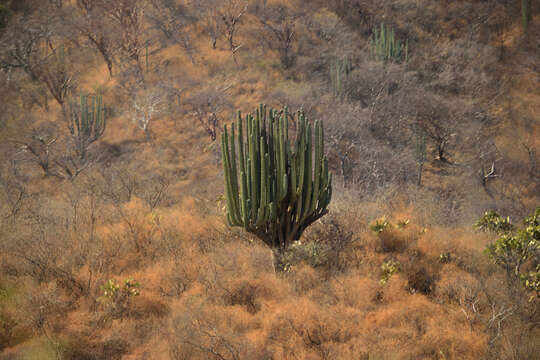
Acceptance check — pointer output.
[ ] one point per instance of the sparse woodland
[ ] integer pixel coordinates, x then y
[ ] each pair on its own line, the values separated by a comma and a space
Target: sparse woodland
114, 237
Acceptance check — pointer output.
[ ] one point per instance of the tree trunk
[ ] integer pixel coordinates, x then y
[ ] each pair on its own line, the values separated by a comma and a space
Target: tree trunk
278, 260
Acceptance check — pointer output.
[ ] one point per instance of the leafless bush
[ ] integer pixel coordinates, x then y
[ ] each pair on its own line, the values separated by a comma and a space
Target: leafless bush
324, 247
362, 160
172, 22
147, 104
278, 29
208, 107
14, 191
200, 334
88, 20
127, 15
460, 67
209, 19
33, 45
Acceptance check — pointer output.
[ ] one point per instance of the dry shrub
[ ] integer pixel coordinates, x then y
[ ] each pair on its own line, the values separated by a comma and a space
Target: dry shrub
80, 348
457, 286
461, 67
233, 278
11, 332
413, 325
353, 290
392, 240
419, 279
203, 331
148, 306
304, 278
251, 293
304, 329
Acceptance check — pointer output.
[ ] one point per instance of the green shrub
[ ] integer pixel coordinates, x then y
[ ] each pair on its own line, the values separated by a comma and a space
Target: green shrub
389, 268
493, 222
516, 250
380, 225
116, 299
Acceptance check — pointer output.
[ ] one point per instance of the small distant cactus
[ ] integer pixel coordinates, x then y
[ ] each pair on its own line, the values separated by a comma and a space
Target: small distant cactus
339, 71
525, 13
420, 152
86, 122
385, 47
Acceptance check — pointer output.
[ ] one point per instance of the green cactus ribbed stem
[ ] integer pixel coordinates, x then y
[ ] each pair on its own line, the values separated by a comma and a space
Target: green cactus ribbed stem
271, 190
386, 47
86, 121
525, 13
339, 72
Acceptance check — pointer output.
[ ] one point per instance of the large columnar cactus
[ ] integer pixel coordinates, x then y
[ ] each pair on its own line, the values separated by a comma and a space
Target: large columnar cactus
385, 47
275, 190
86, 122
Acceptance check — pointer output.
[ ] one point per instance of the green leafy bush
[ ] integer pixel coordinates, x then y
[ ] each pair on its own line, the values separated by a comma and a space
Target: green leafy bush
493, 222
380, 225
389, 268
116, 299
516, 250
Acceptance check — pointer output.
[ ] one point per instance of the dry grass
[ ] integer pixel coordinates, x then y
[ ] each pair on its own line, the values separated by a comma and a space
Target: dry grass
211, 292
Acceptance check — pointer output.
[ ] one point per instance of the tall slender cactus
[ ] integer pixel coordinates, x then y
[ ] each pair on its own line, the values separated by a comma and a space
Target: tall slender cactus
86, 122
339, 71
385, 47
420, 152
525, 13
275, 190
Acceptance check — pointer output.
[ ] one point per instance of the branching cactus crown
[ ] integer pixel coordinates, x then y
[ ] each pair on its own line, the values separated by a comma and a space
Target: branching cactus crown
87, 122
275, 190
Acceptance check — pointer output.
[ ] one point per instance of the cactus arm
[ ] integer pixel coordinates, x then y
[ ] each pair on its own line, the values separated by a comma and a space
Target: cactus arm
317, 166
308, 177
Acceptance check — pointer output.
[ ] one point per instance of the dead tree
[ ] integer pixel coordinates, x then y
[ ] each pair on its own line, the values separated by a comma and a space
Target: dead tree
278, 30
171, 20
208, 16
23, 46
39, 148
147, 104
490, 174
29, 45
207, 107
57, 75
89, 21
127, 17
231, 13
